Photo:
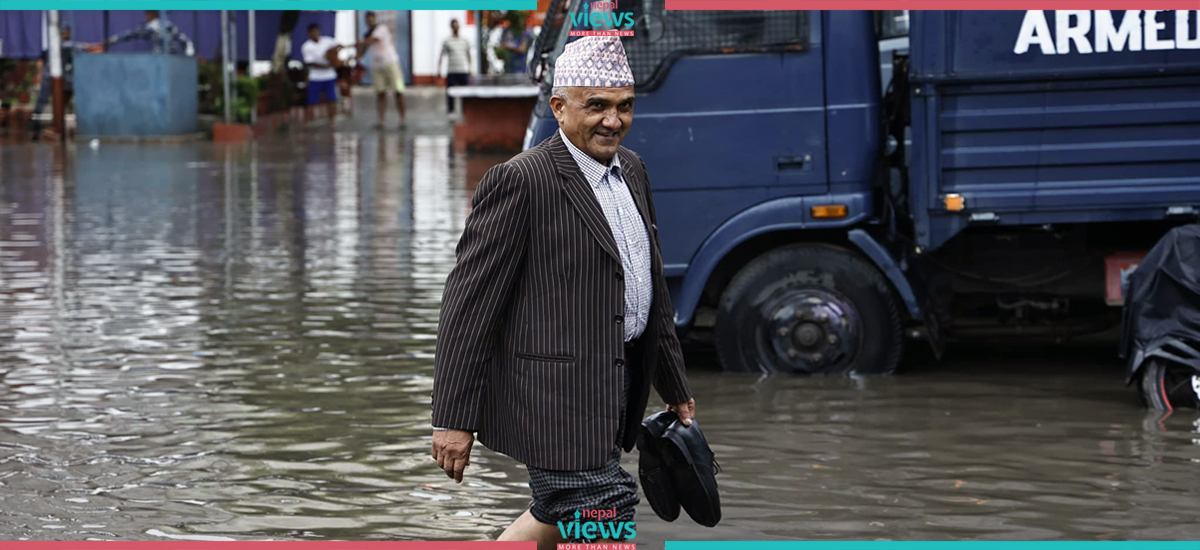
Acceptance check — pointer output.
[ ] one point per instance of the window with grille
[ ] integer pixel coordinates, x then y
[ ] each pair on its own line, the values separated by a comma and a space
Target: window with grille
661, 37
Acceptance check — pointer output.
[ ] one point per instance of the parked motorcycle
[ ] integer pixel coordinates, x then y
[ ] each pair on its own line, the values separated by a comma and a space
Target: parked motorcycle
1160, 336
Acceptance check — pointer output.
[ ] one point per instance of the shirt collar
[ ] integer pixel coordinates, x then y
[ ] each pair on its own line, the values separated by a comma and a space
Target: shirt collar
592, 170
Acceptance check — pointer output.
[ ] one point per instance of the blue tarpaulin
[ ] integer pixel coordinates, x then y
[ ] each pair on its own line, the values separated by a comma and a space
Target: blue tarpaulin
21, 30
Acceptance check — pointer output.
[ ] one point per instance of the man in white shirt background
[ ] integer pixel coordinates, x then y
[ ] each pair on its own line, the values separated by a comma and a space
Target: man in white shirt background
322, 77
385, 68
457, 51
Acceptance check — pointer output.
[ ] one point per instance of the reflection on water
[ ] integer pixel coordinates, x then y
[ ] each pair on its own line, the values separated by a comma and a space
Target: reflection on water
230, 342
208, 343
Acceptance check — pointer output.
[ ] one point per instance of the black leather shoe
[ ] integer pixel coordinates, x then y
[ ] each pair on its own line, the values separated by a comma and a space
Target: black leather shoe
693, 472
657, 481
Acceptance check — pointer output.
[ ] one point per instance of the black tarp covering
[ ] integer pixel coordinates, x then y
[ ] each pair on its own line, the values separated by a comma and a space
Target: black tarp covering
1162, 303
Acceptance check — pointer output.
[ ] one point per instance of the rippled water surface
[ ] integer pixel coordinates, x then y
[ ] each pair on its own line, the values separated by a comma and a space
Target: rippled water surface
208, 343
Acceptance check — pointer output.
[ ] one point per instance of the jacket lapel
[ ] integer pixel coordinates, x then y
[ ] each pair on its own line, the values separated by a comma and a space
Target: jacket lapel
581, 195
638, 189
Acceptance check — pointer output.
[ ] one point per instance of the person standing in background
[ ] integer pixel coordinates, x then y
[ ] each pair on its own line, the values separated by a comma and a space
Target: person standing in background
45, 90
519, 62
322, 78
457, 51
385, 68
283, 41
151, 31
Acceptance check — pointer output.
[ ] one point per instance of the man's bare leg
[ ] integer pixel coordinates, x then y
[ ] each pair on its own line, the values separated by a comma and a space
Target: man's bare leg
528, 528
381, 107
400, 107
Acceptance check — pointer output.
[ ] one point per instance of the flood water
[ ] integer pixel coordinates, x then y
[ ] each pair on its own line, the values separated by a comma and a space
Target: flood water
208, 343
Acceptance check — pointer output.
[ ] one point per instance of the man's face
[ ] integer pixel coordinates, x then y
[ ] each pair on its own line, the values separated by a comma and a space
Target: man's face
371, 20
66, 34
314, 34
454, 27
595, 119
151, 16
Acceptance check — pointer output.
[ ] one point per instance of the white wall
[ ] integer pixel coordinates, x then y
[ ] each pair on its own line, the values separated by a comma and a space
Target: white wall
429, 29
344, 26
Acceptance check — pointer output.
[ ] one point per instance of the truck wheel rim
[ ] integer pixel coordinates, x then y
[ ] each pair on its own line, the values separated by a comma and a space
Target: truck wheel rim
809, 330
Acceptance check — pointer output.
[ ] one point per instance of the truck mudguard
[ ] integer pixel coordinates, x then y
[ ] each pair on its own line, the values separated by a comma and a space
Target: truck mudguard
782, 214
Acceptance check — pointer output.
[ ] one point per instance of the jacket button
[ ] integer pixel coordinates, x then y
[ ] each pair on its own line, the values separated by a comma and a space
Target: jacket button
619, 319
619, 362
620, 275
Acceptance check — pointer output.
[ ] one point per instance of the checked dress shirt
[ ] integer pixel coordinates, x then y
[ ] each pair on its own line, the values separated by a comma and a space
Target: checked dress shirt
628, 230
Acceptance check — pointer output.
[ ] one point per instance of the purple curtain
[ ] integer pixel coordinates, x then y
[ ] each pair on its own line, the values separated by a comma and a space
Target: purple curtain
267, 26
21, 32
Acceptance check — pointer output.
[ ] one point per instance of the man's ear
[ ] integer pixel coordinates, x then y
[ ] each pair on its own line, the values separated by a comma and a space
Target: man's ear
556, 107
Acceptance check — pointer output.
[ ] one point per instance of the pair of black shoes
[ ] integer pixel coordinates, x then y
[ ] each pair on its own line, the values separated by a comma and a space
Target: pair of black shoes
677, 468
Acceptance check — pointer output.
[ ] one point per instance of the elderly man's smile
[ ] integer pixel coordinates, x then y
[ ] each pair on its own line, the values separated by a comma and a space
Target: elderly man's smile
607, 137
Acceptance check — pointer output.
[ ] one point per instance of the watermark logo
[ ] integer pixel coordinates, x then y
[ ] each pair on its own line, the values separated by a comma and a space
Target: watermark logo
601, 19
597, 524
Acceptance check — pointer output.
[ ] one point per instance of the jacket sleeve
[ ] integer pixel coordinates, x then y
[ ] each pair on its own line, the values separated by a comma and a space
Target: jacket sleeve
670, 380
137, 33
490, 255
183, 42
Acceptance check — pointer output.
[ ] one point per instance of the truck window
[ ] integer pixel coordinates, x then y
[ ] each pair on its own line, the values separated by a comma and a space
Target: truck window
892, 23
661, 36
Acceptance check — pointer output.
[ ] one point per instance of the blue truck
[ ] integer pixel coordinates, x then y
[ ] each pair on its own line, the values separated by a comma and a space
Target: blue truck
831, 185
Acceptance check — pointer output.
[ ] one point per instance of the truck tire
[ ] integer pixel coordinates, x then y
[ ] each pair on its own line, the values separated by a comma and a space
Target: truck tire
815, 309
1167, 386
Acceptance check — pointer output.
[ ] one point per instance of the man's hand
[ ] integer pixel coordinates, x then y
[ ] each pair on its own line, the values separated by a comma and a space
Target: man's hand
685, 410
452, 451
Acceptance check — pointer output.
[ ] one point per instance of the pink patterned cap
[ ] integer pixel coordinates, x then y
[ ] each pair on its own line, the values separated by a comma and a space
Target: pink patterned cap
597, 61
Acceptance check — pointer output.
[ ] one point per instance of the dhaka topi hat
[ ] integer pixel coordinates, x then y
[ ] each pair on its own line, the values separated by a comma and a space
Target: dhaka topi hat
596, 61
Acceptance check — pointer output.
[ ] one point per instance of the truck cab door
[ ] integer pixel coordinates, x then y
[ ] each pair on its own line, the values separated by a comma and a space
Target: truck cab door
730, 112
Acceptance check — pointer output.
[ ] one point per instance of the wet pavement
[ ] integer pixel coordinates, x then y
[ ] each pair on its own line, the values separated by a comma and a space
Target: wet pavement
206, 343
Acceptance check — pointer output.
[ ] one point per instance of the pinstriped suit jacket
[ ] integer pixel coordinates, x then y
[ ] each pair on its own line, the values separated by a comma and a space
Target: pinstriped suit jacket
530, 351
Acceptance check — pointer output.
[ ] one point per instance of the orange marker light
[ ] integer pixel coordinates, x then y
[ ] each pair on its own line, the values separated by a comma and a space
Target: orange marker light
829, 211
955, 202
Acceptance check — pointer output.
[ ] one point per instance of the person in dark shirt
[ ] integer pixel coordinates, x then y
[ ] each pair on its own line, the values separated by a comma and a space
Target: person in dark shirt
152, 32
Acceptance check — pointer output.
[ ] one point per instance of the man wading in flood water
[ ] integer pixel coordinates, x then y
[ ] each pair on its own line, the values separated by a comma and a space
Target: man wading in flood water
556, 319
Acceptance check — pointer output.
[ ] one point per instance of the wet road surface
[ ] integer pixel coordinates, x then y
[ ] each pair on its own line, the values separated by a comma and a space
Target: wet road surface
209, 343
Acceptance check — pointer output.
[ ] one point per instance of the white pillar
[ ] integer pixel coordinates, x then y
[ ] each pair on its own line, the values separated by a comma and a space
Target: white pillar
55, 46
250, 65
225, 64
232, 59
56, 73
